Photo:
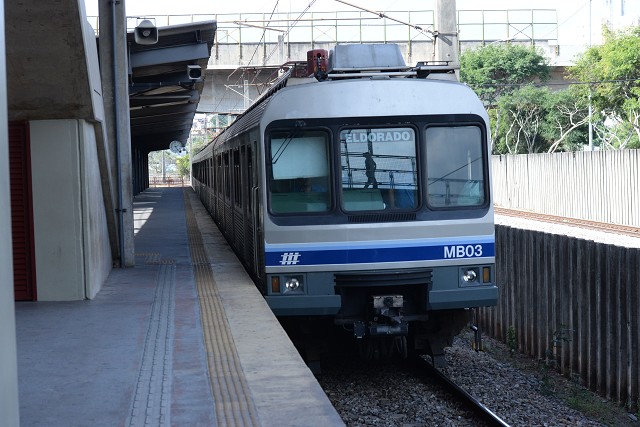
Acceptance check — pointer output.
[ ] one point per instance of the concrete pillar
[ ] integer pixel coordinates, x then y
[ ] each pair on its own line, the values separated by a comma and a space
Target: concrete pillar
247, 100
446, 42
114, 70
281, 57
9, 408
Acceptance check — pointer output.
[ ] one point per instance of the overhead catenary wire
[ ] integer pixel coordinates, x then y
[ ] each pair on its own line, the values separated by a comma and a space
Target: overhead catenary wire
567, 20
429, 33
568, 83
264, 31
290, 27
284, 33
265, 28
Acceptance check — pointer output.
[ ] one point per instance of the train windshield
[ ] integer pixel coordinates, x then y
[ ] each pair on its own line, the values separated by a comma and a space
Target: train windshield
455, 175
300, 171
378, 169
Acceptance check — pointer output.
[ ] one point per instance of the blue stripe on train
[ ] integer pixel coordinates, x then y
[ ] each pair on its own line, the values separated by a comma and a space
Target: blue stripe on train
316, 256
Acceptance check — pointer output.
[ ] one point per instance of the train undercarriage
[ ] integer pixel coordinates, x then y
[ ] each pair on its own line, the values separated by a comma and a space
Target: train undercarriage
388, 313
386, 332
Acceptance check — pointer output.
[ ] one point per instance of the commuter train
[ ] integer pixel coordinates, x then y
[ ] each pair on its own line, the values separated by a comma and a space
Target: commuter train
361, 191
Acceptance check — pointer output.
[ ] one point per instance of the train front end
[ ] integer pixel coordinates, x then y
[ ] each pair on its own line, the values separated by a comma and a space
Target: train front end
378, 205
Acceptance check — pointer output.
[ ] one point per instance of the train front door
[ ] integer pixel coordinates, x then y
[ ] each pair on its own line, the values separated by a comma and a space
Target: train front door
24, 278
256, 212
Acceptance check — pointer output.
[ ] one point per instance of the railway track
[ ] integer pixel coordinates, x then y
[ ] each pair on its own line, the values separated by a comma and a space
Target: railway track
399, 393
574, 222
431, 373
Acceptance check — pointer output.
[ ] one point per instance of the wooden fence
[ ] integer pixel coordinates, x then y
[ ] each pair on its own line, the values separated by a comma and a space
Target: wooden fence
597, 185
571, 303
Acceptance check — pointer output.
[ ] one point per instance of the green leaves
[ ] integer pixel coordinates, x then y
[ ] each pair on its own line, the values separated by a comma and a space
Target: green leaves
613, 73
497, 69
183, 165
528, 118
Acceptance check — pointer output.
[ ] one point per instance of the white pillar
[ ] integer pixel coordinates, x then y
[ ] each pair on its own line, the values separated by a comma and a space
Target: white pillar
9, 408
247, 101
114, 70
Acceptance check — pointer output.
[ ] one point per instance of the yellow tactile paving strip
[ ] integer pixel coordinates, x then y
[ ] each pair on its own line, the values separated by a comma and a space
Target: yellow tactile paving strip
233, 403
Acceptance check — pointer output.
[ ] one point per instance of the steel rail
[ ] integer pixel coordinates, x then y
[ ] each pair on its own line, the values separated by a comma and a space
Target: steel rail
627, 230
484, 413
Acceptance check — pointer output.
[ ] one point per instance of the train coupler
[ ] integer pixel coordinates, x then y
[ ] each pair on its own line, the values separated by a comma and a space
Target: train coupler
384, 318
387, 314
397, 329
361, 329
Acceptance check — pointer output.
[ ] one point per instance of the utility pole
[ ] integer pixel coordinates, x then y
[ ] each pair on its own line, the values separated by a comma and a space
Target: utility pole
164, 176
446, 47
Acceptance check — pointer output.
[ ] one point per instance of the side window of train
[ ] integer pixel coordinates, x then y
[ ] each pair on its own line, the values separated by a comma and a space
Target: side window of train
250, 177
219, 172
226, 176
299, 176
379, 170
455, 171
237, 177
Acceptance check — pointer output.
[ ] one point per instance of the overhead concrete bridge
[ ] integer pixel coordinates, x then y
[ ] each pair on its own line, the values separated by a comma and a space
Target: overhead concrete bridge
250, 49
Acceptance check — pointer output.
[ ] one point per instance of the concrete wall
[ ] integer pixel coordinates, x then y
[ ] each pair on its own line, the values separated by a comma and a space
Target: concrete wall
68, 211
224, 90
573, 303
97, 261
9, 413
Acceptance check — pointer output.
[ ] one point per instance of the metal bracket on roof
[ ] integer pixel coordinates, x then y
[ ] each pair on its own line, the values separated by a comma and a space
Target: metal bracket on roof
426, 68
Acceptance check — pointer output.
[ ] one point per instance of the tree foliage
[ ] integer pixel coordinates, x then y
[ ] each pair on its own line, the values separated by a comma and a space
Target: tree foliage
526, 118
613, 71
158, 159
524, 110
183, 165
567, 120
198, 142
497, 69
536, 119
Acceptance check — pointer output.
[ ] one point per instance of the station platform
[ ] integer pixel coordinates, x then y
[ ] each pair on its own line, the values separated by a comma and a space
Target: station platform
182, 339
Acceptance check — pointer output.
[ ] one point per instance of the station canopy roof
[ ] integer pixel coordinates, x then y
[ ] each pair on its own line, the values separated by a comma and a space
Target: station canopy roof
164, 89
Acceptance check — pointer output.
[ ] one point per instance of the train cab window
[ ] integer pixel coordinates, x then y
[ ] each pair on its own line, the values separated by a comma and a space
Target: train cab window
299, 179
455, 171
378, 169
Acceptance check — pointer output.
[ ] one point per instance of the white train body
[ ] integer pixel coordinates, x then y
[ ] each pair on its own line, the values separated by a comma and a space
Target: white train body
364, 198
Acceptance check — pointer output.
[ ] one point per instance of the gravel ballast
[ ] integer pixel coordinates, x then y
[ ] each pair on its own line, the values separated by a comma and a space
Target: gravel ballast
521, 391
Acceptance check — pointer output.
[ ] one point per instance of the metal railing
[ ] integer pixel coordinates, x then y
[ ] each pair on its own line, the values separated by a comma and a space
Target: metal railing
483, 26
173, 180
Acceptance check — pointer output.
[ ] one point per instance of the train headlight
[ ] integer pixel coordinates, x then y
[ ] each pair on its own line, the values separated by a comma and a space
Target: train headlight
294, 285
474, 276
470, 275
